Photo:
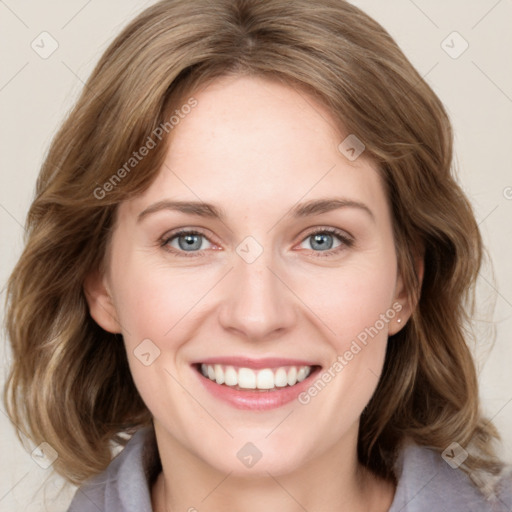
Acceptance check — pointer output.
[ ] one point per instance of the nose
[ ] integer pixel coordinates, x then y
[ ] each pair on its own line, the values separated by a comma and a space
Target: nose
257, 303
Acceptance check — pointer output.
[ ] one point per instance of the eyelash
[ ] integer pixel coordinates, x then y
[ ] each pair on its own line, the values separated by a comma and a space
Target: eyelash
341, 235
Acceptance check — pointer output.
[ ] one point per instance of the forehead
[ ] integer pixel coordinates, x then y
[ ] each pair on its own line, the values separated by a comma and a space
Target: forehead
251, 142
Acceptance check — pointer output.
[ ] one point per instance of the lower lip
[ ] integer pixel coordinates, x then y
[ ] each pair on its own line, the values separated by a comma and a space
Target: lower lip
256, 400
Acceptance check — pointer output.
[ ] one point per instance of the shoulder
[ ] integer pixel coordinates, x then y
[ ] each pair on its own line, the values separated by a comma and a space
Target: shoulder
124, 485
427, 481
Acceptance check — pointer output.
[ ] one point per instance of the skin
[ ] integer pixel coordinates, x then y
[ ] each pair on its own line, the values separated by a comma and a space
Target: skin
255, 148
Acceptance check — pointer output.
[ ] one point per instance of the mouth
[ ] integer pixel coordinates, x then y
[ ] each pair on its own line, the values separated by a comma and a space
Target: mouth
255, 385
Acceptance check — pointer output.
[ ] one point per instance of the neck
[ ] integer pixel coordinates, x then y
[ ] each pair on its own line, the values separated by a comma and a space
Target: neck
330, 481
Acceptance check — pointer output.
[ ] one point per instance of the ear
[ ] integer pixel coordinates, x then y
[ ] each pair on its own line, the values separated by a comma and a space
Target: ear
404, 302
100, 303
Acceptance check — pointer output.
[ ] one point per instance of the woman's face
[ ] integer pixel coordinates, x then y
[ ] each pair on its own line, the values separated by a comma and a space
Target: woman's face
290, 270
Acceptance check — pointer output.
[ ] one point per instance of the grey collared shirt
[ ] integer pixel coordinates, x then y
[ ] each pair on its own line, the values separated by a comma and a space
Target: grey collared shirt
426, 483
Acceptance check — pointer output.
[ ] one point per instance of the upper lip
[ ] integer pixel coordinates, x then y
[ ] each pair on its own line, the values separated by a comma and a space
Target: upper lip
247, 362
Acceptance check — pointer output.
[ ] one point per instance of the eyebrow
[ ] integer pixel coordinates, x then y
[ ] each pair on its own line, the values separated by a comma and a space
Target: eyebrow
310, 208
318, 206
189, 207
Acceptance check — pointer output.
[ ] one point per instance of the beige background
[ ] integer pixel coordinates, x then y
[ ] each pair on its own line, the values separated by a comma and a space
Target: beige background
476, 87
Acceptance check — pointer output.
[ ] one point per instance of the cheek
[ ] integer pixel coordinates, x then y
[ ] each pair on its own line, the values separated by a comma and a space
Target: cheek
155, 308
160, 309
152, 300
351, 298
355, 308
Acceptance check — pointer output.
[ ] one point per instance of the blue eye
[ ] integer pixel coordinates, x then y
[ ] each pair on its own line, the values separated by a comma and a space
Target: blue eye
188, 242
322, 241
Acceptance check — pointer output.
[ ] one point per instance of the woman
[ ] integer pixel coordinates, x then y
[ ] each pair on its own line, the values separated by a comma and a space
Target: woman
248, 250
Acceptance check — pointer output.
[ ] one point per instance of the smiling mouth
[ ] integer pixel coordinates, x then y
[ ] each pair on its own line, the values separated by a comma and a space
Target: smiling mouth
247, 379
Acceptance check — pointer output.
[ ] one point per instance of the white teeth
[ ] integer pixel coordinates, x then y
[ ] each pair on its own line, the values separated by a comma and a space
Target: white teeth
230, 376
219, 374
281, 378
265, 379
247, 378
292, 376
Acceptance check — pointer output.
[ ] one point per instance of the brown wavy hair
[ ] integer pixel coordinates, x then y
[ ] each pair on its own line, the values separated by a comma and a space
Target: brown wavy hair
70, 384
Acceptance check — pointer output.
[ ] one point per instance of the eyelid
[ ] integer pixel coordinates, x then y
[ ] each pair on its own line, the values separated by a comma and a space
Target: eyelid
330, 229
